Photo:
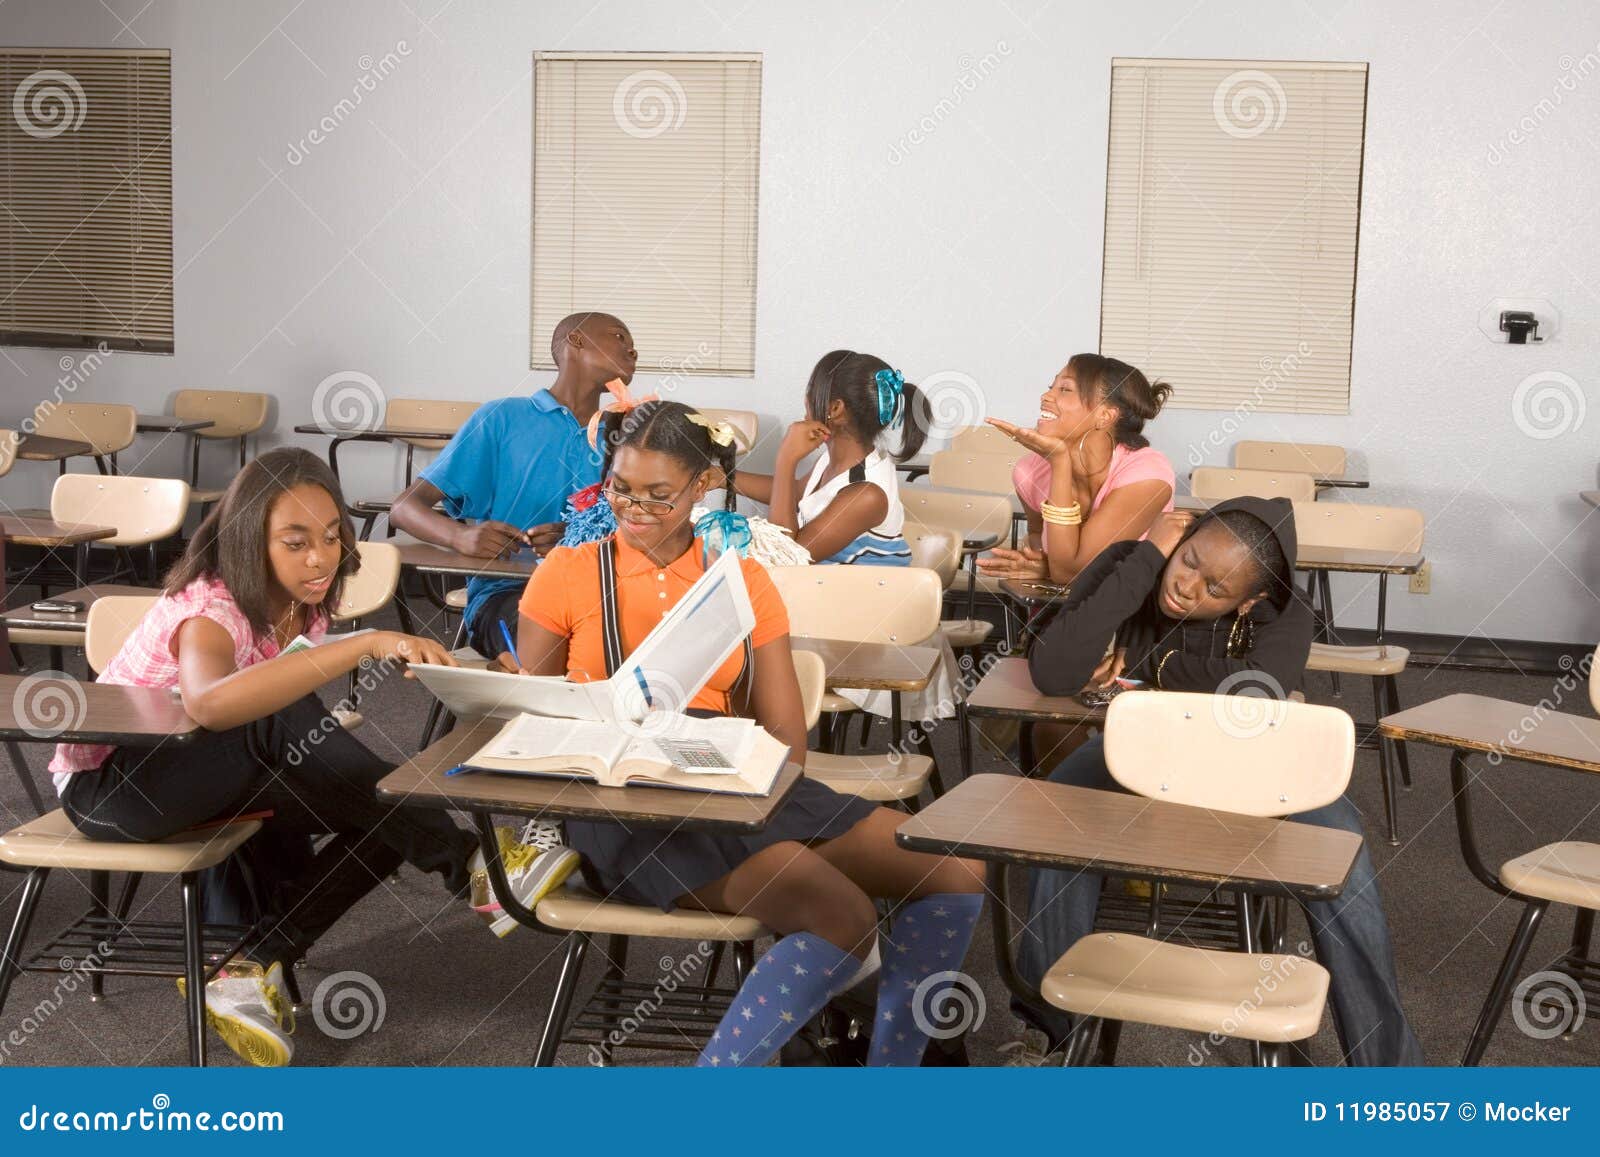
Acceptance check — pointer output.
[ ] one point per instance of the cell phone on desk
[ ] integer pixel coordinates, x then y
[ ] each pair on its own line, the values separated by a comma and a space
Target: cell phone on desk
1100, 696
58, 606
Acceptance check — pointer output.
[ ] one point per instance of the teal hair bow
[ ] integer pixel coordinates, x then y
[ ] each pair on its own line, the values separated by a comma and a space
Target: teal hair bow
723, 530
891, 396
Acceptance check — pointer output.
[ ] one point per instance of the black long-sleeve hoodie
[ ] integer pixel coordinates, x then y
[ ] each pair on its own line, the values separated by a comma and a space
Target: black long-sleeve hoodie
1118, 597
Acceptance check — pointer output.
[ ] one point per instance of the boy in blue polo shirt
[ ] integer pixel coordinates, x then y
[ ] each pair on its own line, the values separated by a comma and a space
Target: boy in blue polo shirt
506, 474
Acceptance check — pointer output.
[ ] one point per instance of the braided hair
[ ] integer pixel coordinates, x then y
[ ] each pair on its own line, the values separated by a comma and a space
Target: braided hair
1270, 570
666, 427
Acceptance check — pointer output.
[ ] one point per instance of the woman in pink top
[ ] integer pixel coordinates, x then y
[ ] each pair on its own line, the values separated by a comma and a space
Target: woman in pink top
1088, 449
256, 578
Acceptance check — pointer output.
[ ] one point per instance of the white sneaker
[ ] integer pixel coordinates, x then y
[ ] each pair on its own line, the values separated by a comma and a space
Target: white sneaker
1031, 1051
534, 869
249, 1008
542, 834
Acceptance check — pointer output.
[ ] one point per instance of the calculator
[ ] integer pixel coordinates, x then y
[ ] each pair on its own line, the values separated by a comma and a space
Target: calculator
694, 755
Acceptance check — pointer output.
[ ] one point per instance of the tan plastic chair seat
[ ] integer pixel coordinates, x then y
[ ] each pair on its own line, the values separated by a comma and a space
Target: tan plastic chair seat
579, 910
1385, 660
108, 428
52, 842
144, 510
1568, 873
456, 599
833, 701
1216, 483
372, 587
1122, 977
111, 620
871, 777
961, 633
1304, 457
39, 637
203, 497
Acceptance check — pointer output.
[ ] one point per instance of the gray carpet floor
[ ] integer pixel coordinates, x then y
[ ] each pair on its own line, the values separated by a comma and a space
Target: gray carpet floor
452, 994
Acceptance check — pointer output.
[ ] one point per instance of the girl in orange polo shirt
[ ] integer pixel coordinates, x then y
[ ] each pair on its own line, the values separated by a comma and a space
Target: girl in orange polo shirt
811, 876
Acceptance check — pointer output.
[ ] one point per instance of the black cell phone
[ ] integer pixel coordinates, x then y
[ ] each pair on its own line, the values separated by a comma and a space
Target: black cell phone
59, 606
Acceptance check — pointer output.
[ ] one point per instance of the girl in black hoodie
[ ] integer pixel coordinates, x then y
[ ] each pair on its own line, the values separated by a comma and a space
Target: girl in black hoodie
1210, 605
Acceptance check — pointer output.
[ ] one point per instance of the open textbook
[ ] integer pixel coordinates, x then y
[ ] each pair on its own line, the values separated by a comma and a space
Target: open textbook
729, 756
630, 726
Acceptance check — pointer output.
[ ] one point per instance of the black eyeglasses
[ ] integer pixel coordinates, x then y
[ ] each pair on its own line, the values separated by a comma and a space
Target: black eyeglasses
659, 507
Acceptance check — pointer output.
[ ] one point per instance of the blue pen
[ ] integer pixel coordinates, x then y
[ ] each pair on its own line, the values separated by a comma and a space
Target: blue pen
644, 686
511, 644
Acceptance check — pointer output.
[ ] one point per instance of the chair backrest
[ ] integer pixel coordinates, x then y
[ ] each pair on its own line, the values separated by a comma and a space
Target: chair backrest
984, 440
1352, 526
934, 548
8, 450
960, 470
109, 428
1220, 482
861, 604
1301, 457
969, 515
425, 414
143, 510
812, 673
111, 620
1237, 753
236, 413
371, 588
746, 425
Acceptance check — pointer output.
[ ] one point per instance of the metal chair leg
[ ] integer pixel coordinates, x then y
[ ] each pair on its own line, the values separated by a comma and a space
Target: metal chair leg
99, 899
194, 968
1402, 757
1079, 1044
1326, 586
1500, 990
555, 1021
744, 958
1110, 1034
11, 954
1390, 803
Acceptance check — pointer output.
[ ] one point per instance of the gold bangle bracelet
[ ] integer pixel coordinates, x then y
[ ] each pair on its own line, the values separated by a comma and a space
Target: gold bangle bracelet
1061, 515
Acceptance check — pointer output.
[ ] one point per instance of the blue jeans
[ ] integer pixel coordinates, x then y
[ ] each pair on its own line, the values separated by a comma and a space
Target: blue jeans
1351, 933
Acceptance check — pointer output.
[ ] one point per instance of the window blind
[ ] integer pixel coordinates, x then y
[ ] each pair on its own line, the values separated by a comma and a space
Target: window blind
86, 186
1232, 197
645, 170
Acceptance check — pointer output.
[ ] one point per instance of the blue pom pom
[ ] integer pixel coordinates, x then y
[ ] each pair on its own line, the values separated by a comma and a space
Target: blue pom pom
588, 525
722, 530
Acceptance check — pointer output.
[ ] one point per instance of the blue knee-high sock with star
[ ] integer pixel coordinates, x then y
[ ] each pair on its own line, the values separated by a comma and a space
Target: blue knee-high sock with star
785, 988
921, 987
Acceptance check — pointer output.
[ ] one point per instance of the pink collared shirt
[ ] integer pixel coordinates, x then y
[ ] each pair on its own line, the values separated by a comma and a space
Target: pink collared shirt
1031, 476
146, 658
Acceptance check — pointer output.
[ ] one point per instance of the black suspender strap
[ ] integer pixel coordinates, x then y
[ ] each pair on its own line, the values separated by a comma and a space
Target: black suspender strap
611, 626
858, 472
610, 620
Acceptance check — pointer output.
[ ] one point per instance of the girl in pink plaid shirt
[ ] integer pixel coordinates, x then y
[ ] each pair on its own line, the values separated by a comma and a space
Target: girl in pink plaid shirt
260, 571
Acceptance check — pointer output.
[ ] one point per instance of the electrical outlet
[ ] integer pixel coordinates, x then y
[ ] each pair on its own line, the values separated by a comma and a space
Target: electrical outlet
1422, 581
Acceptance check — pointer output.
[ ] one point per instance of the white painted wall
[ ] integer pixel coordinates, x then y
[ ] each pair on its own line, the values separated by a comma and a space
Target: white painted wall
399, 246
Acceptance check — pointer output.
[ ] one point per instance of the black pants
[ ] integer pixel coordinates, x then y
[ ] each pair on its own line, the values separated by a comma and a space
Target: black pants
483, 633
314, 776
